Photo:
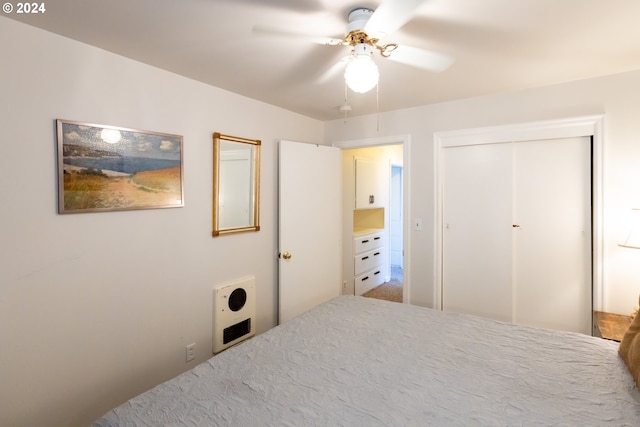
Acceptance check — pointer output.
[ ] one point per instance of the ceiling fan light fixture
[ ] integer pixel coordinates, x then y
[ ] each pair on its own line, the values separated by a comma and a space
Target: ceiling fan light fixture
361, 74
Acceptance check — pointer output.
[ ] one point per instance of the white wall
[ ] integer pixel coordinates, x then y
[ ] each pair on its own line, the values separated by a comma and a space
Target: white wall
95, 308
615, 96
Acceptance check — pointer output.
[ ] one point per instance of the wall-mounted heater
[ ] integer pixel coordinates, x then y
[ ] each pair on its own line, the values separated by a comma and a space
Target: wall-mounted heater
234, 313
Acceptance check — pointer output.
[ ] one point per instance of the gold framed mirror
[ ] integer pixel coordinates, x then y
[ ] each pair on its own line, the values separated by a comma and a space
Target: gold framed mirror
236, 184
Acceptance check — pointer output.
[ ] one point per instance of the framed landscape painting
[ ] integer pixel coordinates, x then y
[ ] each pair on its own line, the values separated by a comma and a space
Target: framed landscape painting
106, 168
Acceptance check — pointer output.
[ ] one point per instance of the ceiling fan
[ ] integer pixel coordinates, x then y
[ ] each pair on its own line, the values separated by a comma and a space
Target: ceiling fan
364, 32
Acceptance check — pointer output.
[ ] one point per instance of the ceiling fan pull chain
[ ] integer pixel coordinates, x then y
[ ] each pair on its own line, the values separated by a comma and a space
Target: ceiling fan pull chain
345, 101
345, 92
378, 106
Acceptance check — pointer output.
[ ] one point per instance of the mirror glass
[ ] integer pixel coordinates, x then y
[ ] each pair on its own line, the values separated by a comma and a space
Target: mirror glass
236, 184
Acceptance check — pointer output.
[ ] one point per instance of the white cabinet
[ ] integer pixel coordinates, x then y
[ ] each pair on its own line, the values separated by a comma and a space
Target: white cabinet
369, 261
517, 232
369, 183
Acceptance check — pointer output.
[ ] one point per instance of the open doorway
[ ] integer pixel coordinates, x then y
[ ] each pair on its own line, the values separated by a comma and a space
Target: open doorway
373, 233
392, 289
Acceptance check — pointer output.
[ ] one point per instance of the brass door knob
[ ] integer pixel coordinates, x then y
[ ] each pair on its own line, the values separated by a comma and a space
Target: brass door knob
286, 255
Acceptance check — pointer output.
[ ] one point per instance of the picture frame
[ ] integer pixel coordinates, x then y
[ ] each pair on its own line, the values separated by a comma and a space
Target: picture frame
107, 168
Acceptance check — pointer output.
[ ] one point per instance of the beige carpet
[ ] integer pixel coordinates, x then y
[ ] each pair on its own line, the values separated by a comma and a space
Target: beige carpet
390, 291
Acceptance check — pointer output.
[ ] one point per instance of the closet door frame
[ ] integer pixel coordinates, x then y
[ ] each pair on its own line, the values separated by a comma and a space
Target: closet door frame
552, 129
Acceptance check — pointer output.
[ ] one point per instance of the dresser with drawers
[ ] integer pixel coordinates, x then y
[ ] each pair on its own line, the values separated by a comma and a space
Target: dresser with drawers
369, 255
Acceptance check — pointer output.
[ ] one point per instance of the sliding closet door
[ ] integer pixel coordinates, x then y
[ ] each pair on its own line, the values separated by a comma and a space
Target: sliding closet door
552, 206
477, 247
516, 232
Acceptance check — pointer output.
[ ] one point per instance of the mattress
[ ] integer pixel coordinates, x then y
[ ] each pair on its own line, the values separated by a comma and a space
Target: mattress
358, 361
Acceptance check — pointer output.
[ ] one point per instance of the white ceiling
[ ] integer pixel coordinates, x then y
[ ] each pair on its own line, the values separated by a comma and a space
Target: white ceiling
498, 45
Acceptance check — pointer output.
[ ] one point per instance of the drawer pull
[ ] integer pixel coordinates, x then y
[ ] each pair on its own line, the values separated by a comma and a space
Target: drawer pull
376, 238
365, 278
376, 254
366, 257
377, 272
365, 241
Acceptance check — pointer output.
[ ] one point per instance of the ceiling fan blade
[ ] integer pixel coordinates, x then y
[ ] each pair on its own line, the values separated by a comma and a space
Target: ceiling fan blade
337, 68
299, 5
390, 15
421, 58
311, 38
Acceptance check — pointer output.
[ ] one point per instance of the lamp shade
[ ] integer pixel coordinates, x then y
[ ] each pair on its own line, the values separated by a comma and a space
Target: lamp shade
633, 239
361, 73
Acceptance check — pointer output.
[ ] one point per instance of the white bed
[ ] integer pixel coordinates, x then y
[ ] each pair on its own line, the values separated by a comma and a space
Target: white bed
357, 361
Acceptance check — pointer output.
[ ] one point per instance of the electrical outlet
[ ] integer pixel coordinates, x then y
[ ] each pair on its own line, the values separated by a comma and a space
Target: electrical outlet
191, 352
344, 285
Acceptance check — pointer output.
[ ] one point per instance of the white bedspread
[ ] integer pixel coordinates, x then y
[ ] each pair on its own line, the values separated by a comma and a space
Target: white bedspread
362, 362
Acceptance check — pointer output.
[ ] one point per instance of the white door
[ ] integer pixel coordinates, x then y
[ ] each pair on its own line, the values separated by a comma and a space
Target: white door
310, 226
516, 232
476, 246
552, 207
368, 183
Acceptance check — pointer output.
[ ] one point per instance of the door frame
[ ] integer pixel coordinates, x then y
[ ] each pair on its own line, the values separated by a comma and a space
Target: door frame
405, 141
551, 129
